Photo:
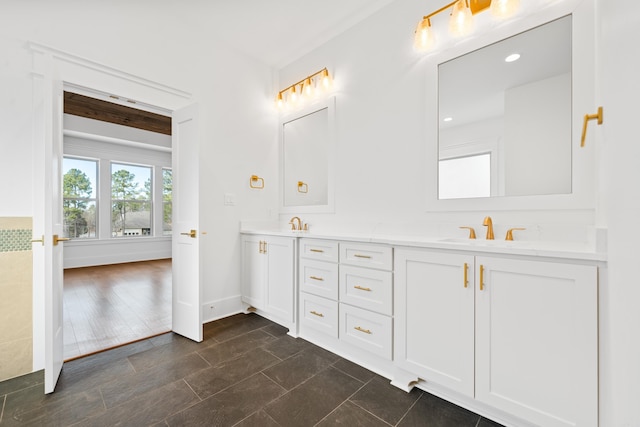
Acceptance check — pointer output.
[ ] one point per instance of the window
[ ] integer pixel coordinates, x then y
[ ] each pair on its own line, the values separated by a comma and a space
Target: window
462, 177
79, 201
131, 200
167, 189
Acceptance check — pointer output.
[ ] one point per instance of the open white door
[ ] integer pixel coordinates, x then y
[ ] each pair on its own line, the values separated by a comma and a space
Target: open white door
47, 252
187, 308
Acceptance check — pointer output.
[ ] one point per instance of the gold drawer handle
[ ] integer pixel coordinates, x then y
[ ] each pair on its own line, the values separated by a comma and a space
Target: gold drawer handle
481, 277
362, 256
316, 250
466, 275
366, 331
362, 289
315, 313
316, 278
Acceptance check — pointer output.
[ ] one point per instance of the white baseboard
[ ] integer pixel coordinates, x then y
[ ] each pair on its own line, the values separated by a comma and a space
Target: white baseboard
217, 309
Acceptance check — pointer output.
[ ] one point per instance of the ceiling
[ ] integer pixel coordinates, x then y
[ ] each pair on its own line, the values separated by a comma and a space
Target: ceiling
279, 31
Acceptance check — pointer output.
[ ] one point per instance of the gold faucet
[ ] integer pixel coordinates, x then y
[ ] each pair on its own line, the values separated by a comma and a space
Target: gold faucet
293, 224
489, 224
472, 232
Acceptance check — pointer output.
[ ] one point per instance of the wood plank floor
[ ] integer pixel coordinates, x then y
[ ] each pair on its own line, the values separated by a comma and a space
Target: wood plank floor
111, 305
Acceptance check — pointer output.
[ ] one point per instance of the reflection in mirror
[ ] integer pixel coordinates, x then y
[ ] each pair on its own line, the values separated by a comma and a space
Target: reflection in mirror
505, 123
305, 143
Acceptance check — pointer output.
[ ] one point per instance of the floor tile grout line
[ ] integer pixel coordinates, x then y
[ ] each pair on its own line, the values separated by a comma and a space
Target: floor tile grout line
410, 408
4, 401
268, 403
348, 398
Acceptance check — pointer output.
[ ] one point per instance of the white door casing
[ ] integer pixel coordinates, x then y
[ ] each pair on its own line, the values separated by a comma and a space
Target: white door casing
187, 292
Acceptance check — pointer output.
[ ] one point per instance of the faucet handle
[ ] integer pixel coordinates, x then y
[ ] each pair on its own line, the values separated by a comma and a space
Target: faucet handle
472, 232
510, 231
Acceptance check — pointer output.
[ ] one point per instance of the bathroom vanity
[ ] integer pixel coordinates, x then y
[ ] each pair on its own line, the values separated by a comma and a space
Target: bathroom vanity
506, 329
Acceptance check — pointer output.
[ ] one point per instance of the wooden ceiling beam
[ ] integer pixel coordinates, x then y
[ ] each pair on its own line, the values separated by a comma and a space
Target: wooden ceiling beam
97, 109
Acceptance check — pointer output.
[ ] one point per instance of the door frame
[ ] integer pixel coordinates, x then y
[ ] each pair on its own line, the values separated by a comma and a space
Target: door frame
51, 65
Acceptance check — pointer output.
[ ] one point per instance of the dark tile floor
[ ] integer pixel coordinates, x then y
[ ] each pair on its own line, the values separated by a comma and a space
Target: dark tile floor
246, 372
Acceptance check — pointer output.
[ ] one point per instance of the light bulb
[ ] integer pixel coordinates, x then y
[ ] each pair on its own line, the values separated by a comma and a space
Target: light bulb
424, 38
307, 89
326, 80
294, 95
461, 21
279, 101
504, 8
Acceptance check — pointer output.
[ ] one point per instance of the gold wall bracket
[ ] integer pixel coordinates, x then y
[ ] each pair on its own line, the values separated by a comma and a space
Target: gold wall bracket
303, 187
587, 118
256, 182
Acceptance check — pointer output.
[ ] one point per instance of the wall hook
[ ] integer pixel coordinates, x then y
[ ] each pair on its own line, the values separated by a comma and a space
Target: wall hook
302, 187
256, 182
587, 118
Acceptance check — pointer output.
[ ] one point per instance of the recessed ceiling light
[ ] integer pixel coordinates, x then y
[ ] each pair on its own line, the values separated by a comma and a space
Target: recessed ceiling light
447, 119
513, 57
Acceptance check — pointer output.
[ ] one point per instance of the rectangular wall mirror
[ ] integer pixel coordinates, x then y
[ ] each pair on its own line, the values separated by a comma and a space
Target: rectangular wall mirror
504, 117
506, 135
306, 141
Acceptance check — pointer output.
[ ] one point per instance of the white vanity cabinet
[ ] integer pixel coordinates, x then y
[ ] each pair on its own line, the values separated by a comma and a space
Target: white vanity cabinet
518, 335
268, 276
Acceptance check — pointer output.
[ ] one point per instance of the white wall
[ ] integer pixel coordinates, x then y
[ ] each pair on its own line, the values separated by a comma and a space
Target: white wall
619, 90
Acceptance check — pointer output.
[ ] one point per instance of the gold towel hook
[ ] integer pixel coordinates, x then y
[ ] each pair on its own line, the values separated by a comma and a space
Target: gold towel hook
303, 187
255, 179
587, 118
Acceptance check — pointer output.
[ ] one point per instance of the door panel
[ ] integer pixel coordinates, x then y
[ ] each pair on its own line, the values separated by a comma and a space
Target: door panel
187, 307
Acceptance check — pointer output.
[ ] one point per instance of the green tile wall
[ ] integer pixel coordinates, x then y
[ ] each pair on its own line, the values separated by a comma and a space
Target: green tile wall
15, 240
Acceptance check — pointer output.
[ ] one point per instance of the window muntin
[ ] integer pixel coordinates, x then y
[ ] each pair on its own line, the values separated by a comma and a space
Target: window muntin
79, 198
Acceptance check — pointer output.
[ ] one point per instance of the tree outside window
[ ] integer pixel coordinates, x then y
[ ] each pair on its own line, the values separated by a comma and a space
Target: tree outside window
131, 200
79, 201
167, 194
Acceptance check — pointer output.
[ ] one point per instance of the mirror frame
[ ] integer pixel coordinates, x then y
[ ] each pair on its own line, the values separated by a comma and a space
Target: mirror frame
583, 170
329, 104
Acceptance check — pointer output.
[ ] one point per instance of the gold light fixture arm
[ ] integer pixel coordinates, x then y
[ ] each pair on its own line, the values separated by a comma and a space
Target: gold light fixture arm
309, 77
587, 119
475, 6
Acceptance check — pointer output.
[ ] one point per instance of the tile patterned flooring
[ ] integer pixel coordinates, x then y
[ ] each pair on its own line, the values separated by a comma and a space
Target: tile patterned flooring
246, 372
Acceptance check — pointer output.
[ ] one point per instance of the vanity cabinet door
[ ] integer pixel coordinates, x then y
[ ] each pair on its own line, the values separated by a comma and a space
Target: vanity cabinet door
253, 267
280, 289
537, 340
268, 276
434, 317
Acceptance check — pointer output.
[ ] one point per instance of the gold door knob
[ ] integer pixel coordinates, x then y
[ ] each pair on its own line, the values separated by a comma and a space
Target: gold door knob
57, 239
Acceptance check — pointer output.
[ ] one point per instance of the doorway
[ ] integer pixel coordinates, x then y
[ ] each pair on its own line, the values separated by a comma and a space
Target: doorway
117, 192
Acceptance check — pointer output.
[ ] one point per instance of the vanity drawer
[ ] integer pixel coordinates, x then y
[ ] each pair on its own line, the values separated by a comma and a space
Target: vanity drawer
319, 313
319, 278
322, 250
367, 330
367, 288
366, 255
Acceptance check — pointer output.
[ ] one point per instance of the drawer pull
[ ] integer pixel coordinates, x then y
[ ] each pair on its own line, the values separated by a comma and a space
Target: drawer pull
316, 250
362, 288
481, 277
366, 331
362, 256
315, 313
316, 278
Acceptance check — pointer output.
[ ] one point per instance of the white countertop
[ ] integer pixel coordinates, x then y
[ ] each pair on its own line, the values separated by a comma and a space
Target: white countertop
549, 249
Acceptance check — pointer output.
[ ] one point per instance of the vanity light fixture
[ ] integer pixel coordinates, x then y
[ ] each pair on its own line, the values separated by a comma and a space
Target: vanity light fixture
306, 88
461, 21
